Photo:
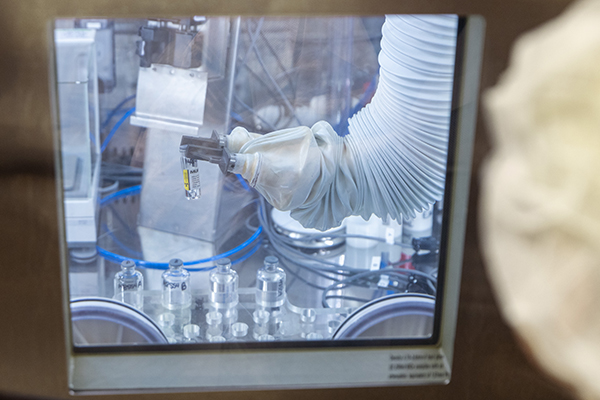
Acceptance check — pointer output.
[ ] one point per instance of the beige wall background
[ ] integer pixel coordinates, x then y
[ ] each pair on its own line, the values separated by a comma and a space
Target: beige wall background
489, 364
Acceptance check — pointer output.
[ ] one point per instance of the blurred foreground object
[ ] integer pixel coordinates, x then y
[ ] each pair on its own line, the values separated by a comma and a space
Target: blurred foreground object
541, 200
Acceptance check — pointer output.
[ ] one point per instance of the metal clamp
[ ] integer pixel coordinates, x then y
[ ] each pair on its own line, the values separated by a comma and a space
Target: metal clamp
213, 150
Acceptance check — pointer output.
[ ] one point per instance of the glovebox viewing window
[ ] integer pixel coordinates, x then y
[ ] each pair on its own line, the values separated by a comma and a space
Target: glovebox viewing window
255, 181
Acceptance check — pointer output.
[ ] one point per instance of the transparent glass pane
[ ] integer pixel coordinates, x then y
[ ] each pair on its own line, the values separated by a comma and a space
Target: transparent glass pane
322, 220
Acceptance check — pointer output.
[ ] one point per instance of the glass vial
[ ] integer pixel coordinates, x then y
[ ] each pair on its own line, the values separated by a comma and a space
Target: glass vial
270, 284
129, 284
176, 286
191, 175
224, 285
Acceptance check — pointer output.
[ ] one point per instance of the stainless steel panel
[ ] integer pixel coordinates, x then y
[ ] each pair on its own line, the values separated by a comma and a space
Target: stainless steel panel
163, 205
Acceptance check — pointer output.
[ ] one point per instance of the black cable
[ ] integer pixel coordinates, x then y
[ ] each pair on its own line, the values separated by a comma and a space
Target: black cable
311, 269
252, 111
285, 71
297, 276
366, 274
266, 70
273, 239
318, 266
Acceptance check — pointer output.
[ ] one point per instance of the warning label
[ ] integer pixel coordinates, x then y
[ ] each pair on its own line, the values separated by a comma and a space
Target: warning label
194, 179
418, 366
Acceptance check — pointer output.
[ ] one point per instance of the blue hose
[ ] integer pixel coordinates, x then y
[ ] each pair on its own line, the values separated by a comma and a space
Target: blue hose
116, 127
130, 191
116, 258
115, 111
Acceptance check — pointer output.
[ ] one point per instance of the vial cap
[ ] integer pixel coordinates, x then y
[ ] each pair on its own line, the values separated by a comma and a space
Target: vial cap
271, 263
127, 264
223, 265
175, 263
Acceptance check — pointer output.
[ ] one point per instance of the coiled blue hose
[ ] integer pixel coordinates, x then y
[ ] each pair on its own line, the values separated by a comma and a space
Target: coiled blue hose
116, 258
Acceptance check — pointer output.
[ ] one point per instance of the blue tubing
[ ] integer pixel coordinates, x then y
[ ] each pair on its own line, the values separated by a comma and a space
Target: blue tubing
116, 258
115, 111
116, 127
